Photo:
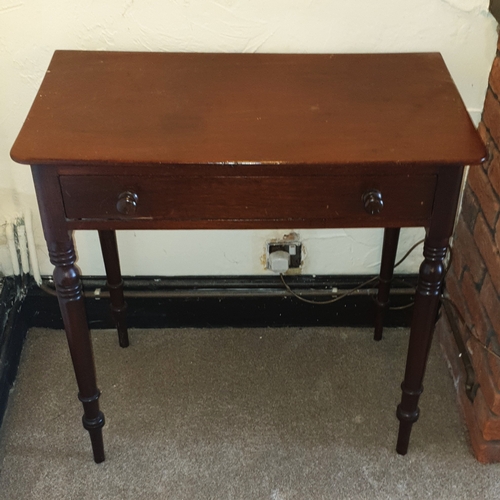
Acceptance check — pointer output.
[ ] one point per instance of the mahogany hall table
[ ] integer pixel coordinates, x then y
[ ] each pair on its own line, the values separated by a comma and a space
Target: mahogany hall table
133, 140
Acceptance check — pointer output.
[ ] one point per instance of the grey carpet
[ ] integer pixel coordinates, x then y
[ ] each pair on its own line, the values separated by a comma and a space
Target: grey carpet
273, 414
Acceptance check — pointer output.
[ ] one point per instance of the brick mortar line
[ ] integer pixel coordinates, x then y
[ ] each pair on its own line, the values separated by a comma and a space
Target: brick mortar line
497, 198
478, 203
497, 148
491, 231
495, 95
465, 266
492, 141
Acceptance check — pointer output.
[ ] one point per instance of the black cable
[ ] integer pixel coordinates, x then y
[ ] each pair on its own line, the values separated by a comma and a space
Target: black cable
331, 301
350, 292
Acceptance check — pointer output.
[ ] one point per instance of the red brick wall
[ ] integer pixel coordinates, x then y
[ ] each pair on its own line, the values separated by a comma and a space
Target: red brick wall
473, 284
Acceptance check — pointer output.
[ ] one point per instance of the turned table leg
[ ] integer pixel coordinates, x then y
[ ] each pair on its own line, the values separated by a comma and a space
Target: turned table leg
424, 316
389, 249
118, 305
71, 302
427, 299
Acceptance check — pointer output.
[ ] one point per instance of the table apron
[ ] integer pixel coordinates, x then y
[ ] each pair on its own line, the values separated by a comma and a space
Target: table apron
245, 201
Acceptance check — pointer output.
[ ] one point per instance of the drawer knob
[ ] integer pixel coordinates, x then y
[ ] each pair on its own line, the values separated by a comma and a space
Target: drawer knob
373, 202
127, 203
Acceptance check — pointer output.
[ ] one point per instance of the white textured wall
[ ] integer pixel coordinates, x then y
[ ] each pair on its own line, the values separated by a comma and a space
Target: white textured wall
30, 30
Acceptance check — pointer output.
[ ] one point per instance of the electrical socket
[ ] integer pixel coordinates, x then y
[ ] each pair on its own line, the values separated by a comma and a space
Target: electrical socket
294, 249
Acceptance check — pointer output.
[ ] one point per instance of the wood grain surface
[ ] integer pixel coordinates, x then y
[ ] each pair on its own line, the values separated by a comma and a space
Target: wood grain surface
169, 108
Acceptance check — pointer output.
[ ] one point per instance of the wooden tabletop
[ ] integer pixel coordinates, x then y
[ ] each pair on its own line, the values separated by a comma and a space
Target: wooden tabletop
183, 108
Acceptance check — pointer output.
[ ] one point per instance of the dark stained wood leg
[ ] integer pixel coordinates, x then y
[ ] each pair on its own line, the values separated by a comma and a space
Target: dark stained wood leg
71, 302
389, 249
109, 249
427, 299
424, 316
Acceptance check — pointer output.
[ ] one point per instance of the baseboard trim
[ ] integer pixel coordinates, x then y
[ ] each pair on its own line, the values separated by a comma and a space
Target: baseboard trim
242, 301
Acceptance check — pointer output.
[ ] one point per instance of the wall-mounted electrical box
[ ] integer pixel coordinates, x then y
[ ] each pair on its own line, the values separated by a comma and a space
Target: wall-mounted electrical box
284, 254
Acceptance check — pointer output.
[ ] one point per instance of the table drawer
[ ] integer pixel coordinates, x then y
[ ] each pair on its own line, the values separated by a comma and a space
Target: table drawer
287, 198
